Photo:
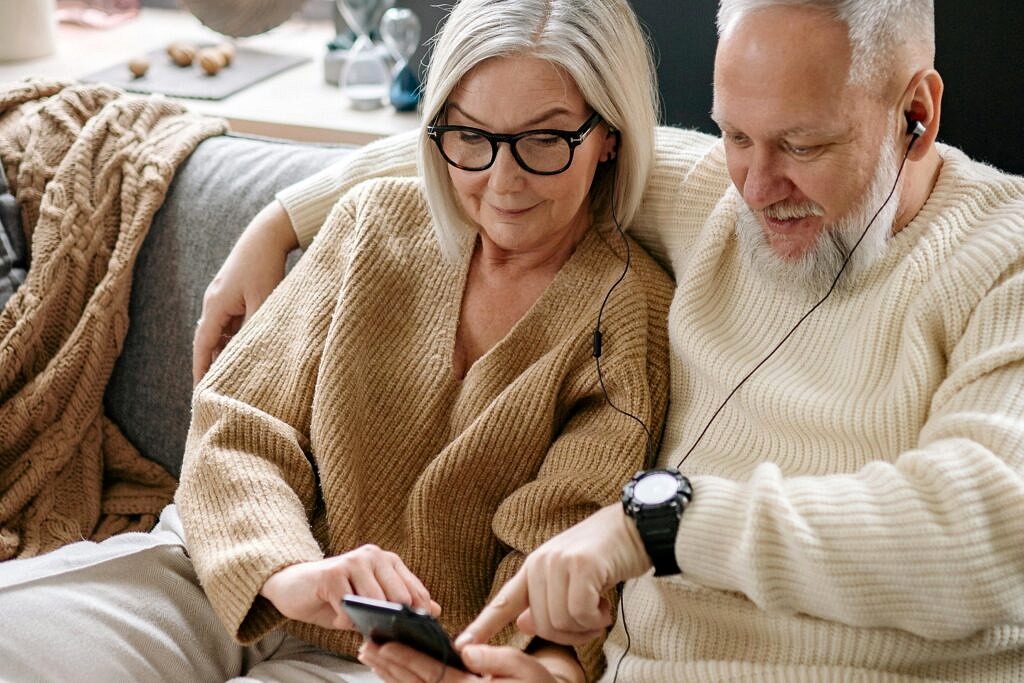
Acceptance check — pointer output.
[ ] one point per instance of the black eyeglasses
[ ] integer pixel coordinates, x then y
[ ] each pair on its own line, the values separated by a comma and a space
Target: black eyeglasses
542, 152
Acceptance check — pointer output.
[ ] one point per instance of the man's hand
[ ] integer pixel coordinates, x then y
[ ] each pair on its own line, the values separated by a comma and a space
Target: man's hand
247, 277
313, 591
396, 663
558, 592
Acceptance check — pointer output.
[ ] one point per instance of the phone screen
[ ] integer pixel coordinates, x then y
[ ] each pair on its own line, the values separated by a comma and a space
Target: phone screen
382, 621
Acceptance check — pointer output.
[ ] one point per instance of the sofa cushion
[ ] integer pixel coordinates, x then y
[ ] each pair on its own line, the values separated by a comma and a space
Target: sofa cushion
219, 188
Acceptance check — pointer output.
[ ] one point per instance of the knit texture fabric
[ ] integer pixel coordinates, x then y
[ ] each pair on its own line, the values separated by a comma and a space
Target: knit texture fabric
89, 167
857, 505
334, 419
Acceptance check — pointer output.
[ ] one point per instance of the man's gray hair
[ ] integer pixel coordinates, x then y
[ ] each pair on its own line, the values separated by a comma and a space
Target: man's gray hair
599, 44
877, 28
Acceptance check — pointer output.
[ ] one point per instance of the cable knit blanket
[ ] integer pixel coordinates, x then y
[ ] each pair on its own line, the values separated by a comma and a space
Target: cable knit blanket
89, 167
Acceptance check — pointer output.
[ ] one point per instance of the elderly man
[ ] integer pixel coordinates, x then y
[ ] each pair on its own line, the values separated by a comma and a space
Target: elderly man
854, 510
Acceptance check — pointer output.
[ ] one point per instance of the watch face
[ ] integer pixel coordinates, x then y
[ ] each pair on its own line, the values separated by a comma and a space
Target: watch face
655, 488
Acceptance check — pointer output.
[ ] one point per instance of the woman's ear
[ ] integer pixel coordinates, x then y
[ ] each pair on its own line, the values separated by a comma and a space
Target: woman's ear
611, 145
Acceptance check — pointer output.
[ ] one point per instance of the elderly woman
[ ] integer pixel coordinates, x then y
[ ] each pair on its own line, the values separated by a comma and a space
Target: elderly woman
459, 367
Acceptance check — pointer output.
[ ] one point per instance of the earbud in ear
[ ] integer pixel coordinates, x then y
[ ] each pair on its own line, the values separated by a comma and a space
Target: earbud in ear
610, 154
914, 127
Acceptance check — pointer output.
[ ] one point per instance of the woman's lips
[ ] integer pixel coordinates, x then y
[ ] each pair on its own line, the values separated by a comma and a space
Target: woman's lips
512, 213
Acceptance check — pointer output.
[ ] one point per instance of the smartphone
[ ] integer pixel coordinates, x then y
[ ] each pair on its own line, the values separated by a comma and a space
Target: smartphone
382, 622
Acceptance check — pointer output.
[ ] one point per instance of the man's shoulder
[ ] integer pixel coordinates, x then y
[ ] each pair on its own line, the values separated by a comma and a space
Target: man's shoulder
973, 231
673, 139
688, 179
678, 151
987, 202
996, 188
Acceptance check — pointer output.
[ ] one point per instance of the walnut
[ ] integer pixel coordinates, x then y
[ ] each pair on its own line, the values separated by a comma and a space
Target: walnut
138, 66
211, 60
181, 53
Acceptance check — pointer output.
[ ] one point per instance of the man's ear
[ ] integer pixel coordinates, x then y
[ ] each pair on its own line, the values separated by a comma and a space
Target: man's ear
922, 101
611, 145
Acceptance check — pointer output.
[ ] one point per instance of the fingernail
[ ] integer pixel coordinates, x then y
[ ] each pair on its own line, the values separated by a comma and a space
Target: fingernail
465, 638
469, 656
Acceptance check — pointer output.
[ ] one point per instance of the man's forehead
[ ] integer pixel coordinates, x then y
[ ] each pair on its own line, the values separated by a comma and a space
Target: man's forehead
785, 46
785, 72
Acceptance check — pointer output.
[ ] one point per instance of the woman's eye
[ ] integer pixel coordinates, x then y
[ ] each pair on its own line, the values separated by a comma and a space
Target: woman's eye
545, 140
468, 138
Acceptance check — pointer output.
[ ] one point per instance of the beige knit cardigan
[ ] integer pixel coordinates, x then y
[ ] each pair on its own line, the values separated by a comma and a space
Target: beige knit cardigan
89, 167
334, 418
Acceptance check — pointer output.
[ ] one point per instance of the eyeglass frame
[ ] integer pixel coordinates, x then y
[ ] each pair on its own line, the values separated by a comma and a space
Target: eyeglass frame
573, 138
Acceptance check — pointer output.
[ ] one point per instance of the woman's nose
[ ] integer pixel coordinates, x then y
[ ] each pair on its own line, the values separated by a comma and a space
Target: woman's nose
506, 174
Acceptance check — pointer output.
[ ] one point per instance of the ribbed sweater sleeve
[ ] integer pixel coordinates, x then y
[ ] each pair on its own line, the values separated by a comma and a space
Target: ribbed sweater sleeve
247, 487
309, 201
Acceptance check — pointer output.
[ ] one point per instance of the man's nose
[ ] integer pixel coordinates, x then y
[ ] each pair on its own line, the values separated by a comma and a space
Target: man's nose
766, 182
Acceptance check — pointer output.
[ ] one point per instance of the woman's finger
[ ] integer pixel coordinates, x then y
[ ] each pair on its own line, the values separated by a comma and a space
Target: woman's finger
359, 565
420, 596
394, 585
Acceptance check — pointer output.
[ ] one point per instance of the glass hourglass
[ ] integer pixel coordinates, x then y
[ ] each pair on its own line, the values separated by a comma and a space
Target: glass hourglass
400, 31
365, 77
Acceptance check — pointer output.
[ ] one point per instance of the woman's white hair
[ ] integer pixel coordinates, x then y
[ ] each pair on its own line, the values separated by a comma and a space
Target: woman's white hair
878, 29
599, 43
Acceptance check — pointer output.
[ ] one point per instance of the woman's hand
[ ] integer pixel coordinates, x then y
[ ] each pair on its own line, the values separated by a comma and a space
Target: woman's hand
396, 663
249, 274
313, 591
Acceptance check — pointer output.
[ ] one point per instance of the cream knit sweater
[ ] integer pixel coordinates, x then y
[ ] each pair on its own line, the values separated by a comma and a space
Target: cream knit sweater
334, 420
859, 505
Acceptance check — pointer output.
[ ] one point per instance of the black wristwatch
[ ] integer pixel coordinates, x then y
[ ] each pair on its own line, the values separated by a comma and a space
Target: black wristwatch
655, 499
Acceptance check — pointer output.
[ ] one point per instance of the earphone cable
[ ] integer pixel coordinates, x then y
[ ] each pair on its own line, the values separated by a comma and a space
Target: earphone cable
621, 590
597, 340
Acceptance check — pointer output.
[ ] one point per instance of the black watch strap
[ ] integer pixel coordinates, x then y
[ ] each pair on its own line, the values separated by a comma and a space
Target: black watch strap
658, 529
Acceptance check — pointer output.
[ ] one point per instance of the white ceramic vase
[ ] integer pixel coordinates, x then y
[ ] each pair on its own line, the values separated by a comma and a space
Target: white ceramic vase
27, 29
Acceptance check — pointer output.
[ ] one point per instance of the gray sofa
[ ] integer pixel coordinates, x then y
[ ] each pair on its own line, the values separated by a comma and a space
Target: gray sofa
218, 189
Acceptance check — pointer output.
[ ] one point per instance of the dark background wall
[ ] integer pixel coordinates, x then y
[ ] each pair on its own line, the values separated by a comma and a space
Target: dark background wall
979, 52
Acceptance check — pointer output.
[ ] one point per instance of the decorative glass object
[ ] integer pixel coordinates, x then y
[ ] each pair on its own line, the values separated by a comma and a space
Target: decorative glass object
96, 13
365, 77
400, 31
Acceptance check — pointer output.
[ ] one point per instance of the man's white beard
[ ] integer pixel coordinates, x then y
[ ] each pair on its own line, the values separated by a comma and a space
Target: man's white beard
817, 268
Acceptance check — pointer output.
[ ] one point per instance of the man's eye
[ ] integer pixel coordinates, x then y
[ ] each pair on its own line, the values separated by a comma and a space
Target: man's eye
738, 139
803, 150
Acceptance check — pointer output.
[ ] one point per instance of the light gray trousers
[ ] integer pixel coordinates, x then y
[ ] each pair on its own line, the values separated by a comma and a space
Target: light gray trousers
131, 609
